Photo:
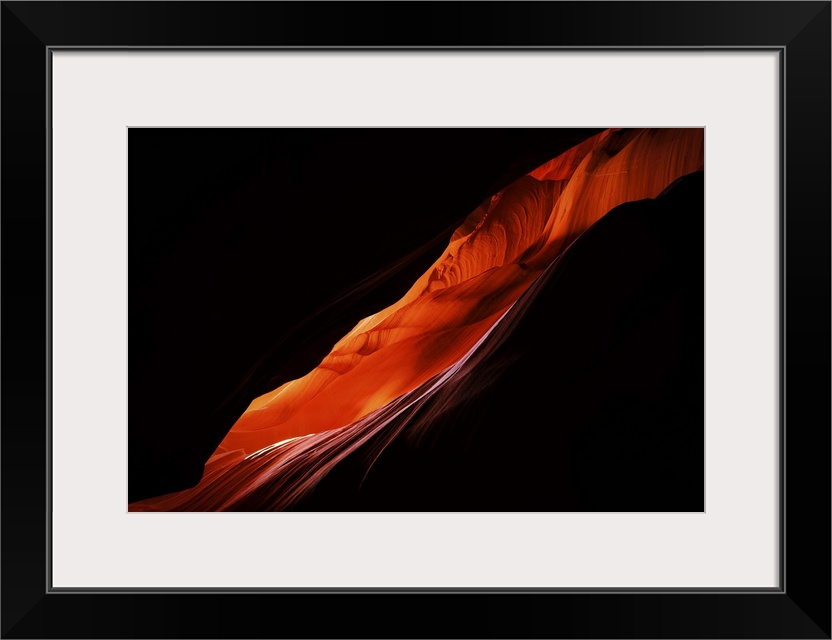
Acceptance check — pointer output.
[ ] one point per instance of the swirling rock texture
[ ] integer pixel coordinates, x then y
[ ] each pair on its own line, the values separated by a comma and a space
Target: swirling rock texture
541, 355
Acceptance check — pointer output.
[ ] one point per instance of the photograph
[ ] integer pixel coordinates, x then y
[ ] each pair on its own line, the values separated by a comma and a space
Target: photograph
416, 319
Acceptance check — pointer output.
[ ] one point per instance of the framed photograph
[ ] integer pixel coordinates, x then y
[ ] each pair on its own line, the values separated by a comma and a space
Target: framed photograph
517, 310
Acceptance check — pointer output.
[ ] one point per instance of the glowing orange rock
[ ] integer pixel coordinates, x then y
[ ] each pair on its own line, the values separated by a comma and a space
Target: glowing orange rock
491, 260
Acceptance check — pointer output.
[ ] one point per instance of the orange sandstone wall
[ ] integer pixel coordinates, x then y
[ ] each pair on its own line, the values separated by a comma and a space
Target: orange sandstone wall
491, 259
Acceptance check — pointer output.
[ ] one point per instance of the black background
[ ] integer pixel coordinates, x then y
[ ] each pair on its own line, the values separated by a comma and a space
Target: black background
801, 608
238, 237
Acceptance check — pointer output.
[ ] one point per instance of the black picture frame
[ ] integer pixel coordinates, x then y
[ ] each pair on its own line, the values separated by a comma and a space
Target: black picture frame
799, 31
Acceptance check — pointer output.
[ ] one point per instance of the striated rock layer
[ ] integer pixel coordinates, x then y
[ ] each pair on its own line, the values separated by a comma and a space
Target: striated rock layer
493, 258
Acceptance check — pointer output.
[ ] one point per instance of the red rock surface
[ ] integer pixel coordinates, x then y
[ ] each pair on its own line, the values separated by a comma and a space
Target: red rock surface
492, 259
